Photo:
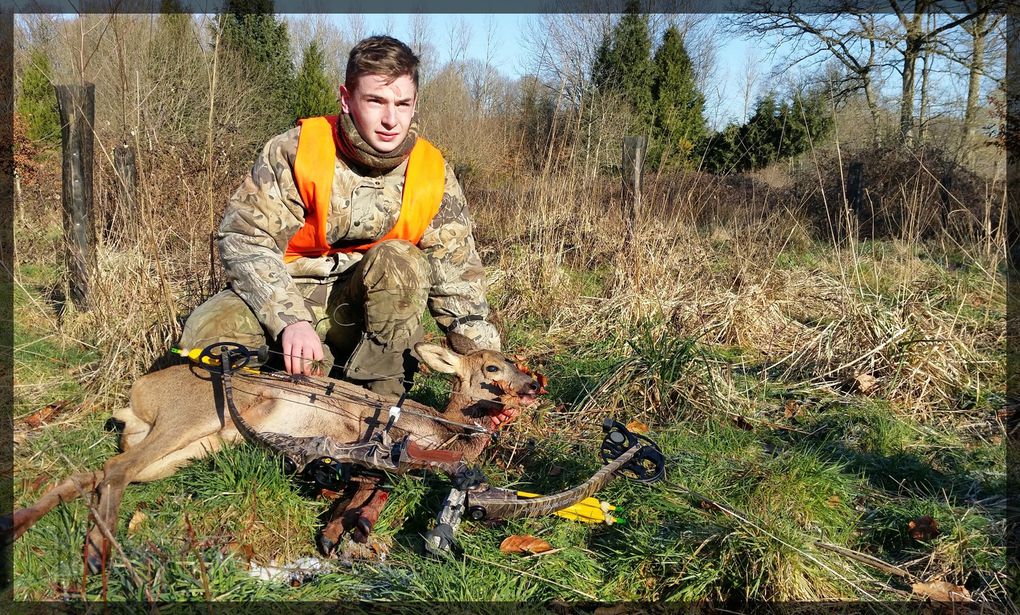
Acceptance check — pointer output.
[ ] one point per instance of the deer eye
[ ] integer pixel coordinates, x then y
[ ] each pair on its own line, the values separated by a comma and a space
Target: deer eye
492, 369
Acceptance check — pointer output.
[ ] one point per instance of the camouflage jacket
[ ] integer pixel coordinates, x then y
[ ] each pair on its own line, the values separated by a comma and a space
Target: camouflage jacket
267, 210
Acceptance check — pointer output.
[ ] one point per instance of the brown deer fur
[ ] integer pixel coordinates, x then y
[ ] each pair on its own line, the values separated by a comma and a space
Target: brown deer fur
177, 415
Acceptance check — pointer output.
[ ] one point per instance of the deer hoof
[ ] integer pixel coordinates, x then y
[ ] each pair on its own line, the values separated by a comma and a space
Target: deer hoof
94, 560
95, 564
324, 544
362, 530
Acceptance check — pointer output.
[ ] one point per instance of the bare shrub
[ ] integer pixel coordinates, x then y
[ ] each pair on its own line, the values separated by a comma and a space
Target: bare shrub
911, 195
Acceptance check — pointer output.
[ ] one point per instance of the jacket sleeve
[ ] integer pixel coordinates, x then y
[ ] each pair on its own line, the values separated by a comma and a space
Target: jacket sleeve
259, 220
457, 285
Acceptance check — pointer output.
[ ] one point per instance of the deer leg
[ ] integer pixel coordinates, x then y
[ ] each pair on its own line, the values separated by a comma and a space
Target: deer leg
126, 467
330, 534
361, 517
358, 510
109, 494
66, 491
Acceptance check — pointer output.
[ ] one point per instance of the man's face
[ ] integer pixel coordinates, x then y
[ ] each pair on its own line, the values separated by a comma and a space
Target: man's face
381, 109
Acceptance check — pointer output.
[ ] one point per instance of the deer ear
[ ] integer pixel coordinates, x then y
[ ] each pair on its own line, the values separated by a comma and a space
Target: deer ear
439, 358
461, 344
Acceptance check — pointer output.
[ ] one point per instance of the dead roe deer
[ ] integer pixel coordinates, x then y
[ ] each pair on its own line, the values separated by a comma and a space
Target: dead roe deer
178, 414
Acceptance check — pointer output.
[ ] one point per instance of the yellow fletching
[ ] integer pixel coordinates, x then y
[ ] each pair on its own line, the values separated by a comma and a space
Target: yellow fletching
589, 510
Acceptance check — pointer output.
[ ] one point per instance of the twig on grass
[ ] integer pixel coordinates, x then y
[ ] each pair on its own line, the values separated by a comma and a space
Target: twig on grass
116, 545
864, 558
743, 519
532, 575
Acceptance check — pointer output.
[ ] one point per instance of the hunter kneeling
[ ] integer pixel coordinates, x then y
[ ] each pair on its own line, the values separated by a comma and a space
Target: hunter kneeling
348, 227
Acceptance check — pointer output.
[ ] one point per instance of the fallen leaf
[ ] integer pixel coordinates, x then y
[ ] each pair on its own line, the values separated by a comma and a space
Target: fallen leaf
833, 501
865, 383
504, 388
707, 505
923, 528
136, 520
45, 414
39, 480
637, 426
524, 544
542, 381
742, 423
244, 551
791, 409
942, 591
555, 471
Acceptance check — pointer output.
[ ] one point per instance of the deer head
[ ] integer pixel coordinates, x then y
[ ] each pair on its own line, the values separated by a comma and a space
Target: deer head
485, 380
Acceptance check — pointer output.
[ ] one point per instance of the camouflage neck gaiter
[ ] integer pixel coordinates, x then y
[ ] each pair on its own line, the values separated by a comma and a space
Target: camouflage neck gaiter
355, 149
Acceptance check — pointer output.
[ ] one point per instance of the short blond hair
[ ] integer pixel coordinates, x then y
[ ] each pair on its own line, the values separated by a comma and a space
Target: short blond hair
381, 55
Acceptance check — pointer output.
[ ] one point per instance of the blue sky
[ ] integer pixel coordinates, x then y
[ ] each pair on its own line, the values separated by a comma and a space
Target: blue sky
509, 54
726, 97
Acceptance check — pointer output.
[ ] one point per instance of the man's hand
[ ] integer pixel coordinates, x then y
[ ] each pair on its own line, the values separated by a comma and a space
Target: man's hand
301, 346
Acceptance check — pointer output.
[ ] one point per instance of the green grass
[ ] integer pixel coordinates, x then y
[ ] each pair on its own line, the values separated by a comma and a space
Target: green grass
737, 518
45, 364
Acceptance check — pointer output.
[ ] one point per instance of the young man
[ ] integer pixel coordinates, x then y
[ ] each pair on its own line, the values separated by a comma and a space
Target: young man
346, 230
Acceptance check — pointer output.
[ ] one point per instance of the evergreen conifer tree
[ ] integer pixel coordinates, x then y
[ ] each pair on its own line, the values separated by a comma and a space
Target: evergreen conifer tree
313, 94
604, 68
623, 64
259, 42
778, 130
537, 108
38, 101
679, 124
178, 78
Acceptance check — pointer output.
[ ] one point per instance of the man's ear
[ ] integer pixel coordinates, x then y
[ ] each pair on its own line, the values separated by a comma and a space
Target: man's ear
345, 96
439, 358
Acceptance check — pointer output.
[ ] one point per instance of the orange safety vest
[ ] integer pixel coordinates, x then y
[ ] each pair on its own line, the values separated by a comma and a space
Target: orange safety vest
424, 185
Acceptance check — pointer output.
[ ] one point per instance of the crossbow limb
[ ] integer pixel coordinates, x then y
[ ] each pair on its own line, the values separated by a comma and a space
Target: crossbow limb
330, 464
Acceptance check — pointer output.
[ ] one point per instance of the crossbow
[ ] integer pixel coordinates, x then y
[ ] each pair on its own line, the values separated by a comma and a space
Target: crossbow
330, 464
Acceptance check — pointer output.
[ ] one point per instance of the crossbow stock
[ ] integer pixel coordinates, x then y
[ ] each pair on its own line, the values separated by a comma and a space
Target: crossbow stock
331, 464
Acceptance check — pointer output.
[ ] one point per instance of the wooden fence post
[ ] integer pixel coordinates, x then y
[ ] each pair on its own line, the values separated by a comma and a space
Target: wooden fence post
855, 199
77, 114
127, 185
633, 161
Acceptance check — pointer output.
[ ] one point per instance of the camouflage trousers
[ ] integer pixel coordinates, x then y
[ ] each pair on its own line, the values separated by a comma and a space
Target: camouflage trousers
369, 319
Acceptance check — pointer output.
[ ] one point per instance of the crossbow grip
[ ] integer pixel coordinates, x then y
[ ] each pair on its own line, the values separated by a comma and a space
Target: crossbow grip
439, 540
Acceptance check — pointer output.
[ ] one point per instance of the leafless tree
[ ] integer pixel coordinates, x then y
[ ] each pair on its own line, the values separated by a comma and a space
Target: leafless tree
334, 43
420, 31
861, 41
841, 32
979, 48
911, 42
458, 36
